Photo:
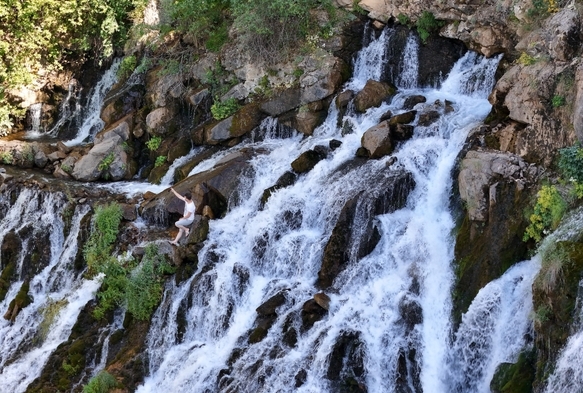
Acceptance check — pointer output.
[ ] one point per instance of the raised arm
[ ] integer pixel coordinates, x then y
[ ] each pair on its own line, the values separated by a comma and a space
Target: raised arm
177, 194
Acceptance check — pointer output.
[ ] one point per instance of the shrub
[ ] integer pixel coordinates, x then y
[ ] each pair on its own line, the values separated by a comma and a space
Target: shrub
558, 101
154, 143
426, 24
548, 211
571, 163
223, 109
160, 160
217, 38
101, 383
127, 66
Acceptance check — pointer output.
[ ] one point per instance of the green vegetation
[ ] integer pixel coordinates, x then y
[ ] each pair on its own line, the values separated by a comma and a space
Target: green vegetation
571, 163
554, 262
97, 249
101, 383
427, 24
6, 157
548, 211
223, 109
558, 101
403, 19
43, 35
50, 313
127, 66
106, 162
526, 59
154, 143
138, 287
160, 160
66, 168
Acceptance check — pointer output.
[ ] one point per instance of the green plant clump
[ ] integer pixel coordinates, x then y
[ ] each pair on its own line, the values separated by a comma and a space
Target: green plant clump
426, 24
403, 19
101, 383
548, 211
106, 162
223, 109
6, 157
526, 59
154, 143
97, 250
558, 101
127, 66
160, 160
571, 163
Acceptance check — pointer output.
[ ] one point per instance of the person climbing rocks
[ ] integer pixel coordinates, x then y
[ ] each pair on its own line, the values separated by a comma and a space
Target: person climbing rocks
187, 218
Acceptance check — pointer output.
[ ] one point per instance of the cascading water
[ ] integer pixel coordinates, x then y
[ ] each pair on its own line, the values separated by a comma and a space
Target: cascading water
58, 292
91, 121
35, 112
389, 311
410, 64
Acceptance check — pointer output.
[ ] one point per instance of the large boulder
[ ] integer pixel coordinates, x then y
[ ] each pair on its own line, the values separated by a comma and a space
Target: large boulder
372, 94
160, 121
242, 122
377, 140
107, 160
122, 128
307, 160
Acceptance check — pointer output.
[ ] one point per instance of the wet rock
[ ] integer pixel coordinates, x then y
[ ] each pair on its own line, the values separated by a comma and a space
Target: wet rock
428, 118
344, 98
334, 144
386, 116
287, 179
403, 118
401, 132
377, 140
386, 194
128, 211
300, 378
207, 212
372, 95
323, 300
410, 311
411, 101
64, 148
347, 362
198, 230
270, 305
307, 121
306, 161
311, 313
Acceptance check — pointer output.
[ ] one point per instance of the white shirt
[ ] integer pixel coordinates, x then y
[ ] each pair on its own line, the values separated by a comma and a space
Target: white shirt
189, 208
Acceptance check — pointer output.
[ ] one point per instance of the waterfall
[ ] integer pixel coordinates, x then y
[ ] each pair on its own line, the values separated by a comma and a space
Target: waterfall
69, 108
91, 122
389, 310
493, 330
35, 116
567, 375
58, 292
410, 64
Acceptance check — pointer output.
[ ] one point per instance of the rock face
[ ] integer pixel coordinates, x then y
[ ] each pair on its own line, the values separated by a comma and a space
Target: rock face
479, 176
349, 241
107, 159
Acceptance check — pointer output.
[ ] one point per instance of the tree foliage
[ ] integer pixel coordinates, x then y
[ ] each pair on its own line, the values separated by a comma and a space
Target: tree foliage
38, 36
